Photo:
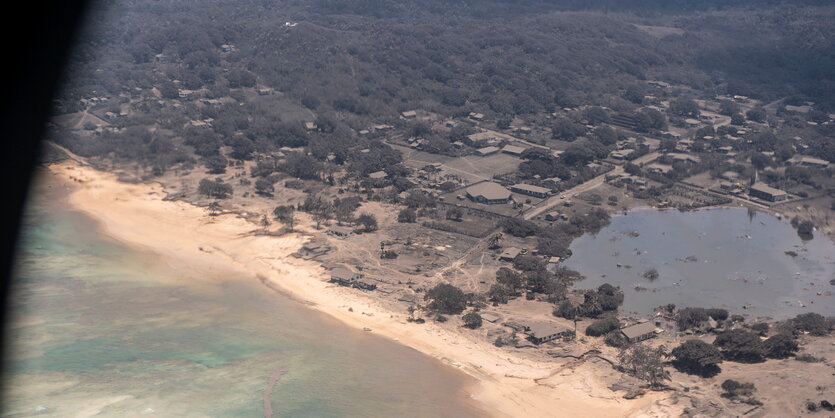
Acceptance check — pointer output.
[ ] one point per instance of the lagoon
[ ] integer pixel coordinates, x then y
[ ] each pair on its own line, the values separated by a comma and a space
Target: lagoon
728, 258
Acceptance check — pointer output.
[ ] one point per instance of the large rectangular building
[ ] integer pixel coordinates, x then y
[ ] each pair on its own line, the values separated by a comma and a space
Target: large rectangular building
488, 193
531, 190
766, 192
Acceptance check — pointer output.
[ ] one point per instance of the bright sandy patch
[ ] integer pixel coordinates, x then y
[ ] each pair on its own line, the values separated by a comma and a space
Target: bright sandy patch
137, 215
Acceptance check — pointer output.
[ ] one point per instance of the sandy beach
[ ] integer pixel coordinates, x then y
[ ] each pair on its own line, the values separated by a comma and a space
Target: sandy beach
508, 385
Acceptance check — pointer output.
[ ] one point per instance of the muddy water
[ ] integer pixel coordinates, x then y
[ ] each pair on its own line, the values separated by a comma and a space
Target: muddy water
725, 258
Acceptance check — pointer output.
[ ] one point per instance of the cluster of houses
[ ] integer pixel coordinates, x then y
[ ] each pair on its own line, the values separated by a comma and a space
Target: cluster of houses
540, 332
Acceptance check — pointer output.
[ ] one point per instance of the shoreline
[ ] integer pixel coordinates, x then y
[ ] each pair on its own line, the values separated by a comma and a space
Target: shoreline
507, 384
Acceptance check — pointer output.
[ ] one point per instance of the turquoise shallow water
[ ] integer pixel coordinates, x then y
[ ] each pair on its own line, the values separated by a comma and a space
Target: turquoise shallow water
101, 327
724, 258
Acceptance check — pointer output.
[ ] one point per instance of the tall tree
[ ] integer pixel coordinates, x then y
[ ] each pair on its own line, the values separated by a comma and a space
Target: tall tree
286, 215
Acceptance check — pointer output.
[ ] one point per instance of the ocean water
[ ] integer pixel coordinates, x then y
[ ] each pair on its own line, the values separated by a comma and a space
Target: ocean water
724, 258
101, 328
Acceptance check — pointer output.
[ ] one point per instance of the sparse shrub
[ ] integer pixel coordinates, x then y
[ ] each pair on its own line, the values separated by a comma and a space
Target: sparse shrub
697, 357
565, 310
472, 320
688, 318
407, 215
813, 323
446, 299
760, 328
741, 345
616, 339
602, 326
717, 314
808, 358
780, 346
734, 389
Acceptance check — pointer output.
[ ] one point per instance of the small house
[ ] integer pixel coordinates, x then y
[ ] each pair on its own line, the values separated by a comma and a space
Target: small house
513, 150
805, 160
340, 231
554, 216
639, 332
541, 332
621, 154
509, 254
659, 168
409, 114
343, 276
378, 175
490, 317
312, 249
483, 152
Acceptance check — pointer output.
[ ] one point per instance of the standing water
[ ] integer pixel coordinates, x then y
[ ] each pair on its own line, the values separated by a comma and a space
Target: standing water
101, 328
746, 262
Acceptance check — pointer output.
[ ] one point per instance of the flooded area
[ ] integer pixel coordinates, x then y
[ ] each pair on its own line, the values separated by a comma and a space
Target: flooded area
102, 329
748, 262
